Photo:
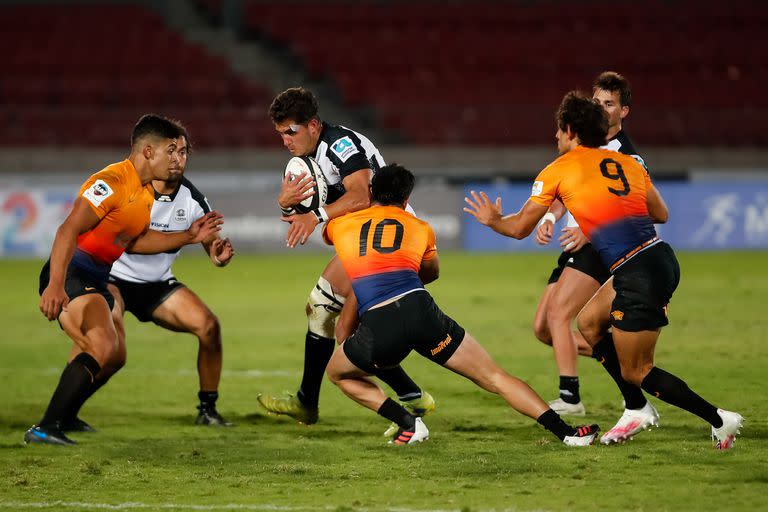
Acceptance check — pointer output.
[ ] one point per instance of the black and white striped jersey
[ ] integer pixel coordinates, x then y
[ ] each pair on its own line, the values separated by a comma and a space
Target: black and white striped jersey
170, 213
340, 152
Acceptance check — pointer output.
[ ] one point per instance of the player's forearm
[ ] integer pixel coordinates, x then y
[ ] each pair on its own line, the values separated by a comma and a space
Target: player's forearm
512, 226
557, 208
154, 242
351, 201
61, 253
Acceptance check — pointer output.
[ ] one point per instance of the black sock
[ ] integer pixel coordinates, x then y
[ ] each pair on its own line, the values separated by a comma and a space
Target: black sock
569, 389
93, 388
400, 382
551, 421
208, 399
393, 411
605, 353
675, 391
75, 382
317, 352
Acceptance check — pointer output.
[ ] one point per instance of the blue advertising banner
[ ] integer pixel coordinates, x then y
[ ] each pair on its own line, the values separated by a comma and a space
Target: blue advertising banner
711, 215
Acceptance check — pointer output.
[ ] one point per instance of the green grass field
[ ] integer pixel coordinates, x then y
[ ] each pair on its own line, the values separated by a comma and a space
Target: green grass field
482, 455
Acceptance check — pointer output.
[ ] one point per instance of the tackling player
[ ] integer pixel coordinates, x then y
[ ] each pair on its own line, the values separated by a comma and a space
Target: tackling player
612, 198
390, 254
144, 284
580, 273
110, 215
348, 160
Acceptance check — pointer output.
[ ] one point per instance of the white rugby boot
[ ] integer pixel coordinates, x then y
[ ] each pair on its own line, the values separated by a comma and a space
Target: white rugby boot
564, 408
725, 436
632, 422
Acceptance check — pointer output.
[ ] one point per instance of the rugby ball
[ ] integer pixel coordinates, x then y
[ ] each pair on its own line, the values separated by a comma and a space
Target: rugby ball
299, 165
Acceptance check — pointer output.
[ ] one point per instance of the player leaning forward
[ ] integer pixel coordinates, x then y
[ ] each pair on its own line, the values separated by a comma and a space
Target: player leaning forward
348, 160
614, 202
110, 215
390, 254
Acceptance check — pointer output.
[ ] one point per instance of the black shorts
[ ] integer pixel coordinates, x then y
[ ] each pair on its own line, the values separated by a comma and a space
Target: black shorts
644, 285
77, 282
142, 299
585, 260
386, 335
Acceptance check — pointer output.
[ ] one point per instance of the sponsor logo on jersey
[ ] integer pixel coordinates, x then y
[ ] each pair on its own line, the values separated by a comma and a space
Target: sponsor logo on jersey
97, 192
180, 215
344, 148
164, 199
537, 187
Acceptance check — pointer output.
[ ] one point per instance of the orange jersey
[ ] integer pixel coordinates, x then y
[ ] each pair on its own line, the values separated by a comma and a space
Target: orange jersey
122, 203
605, 191
381, 248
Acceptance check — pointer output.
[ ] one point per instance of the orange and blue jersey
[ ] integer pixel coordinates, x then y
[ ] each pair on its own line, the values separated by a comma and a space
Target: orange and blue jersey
381, 249
123, 205
606, 192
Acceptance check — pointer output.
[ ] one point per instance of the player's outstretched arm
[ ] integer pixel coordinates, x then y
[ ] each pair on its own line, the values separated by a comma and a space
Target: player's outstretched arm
220, 250
517, 225
153, 242
81, 219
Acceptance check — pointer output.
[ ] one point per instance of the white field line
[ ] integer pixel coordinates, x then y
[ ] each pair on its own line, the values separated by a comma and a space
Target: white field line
135, 505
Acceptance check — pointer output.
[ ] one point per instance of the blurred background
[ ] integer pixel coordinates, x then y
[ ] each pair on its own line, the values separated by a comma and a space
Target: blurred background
461, 92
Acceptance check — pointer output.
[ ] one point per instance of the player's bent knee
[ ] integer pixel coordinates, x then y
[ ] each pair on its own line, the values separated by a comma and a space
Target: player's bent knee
323, 308
209, 332
541, 331
634, 375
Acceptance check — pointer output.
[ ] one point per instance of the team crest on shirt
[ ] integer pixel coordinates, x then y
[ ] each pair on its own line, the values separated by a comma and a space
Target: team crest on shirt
180, 215
344, 148
537, 187
97, 192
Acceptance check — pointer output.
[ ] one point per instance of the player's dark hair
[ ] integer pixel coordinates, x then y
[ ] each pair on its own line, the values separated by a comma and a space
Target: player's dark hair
184, 133
392, 185
586, 118
296, 104
156, 126
612, 82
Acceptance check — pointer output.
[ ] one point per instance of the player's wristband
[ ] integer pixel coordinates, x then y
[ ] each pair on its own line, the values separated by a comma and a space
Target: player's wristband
321, 215
287, 211
549, 216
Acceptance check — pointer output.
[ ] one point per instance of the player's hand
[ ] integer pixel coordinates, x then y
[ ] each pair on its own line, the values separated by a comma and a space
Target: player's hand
221, 251
544, 232
53, 301
573, 239
481, 208
302, 225
293, 191
205, 227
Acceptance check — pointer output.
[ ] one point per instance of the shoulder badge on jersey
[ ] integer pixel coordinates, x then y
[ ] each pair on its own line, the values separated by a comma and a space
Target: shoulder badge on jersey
344, 148
98, 192
538, 186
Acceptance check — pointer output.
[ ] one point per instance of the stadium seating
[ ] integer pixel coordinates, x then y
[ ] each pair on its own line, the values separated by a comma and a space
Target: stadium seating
82, 75
491, 73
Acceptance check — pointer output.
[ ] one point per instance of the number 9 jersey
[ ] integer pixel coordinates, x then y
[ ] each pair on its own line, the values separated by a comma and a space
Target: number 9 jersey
381, 249
605, 191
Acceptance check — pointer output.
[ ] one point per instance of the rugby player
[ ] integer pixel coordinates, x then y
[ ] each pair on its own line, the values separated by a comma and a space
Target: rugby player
390, 255
110, 215
614, 202
579, 272
144, 284
348, 159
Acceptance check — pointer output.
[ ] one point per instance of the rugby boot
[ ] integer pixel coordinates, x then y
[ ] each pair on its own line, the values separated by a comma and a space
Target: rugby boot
290, 405
583, 435
417, 434
564, 408
725, 436
50, 434
419, 407
76, 425
632, 422
210, 416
